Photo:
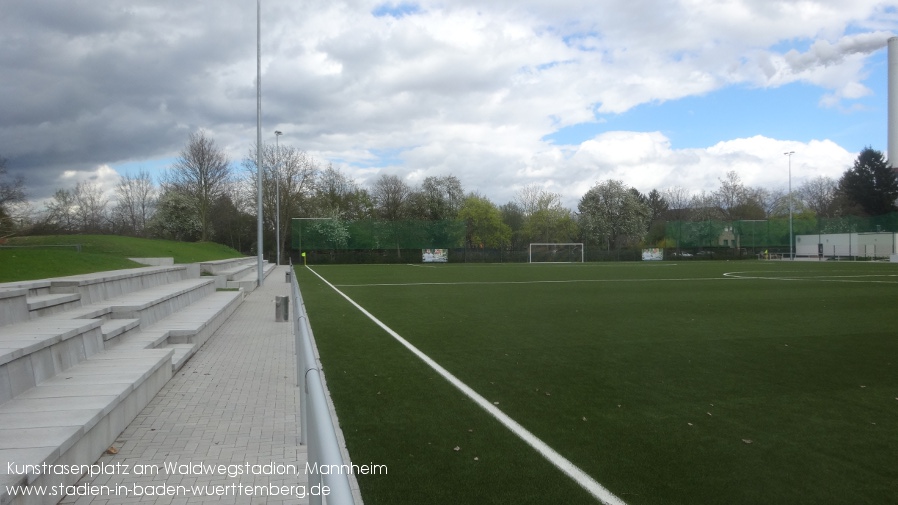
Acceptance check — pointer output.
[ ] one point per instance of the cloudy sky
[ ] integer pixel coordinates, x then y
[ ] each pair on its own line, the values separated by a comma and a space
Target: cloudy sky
502, 94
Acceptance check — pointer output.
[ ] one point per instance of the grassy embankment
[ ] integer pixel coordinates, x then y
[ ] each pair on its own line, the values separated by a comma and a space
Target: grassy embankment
39, 260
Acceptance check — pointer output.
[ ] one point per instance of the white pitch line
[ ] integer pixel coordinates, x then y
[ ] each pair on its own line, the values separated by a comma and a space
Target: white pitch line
487, 283
865, 279
571, 470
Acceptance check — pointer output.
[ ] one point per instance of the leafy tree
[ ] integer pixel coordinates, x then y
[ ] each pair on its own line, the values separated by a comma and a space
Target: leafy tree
483, 223
201, 174
438, 198
871, 185
513, 216
175, 217
657, 204
611, 214
232, 225
658, 209
545, 219
335, 231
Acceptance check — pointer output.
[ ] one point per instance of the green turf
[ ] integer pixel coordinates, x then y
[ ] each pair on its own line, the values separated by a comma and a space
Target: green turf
98, 253
650, 377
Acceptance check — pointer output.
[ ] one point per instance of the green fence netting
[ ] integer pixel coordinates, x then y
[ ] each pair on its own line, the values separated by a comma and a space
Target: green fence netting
770, 232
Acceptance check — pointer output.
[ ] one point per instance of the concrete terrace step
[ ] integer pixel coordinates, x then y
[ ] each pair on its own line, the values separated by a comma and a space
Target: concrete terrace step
219, 267
117, 327
70, 382
148, 305
44, 305
73, 417
182, 353
186, 329
35, 351
100, 286
249, 281
13, 305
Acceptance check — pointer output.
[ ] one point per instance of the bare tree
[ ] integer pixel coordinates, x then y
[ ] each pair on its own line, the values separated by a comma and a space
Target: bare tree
532, 198
678, 202
737, 201
90, 207
289, 174
819, 196
136, 202
61, 211
391, 197
703, 207
338, 195
12, 193
201, 172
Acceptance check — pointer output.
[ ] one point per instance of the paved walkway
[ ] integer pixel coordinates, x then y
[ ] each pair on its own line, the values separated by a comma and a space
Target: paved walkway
233, 404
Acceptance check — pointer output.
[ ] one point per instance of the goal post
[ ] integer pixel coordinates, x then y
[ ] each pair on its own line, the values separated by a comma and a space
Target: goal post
568, 252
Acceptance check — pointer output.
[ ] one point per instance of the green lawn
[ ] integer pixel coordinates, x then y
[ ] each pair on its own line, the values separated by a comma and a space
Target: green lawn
41, 259
667, 383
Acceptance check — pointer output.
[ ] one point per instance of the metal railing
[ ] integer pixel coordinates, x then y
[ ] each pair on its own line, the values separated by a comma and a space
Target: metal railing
317, 428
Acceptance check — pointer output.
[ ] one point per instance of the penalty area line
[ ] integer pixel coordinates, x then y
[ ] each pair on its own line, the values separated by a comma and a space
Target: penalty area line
567, 467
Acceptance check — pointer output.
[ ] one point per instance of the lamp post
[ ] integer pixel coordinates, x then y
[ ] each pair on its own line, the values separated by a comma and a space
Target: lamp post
789, 154
277, 193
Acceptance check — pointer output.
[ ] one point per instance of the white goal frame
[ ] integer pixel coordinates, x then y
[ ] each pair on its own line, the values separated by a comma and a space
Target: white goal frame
576, 244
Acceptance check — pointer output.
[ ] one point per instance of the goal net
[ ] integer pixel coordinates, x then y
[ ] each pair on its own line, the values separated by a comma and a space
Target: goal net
556, 253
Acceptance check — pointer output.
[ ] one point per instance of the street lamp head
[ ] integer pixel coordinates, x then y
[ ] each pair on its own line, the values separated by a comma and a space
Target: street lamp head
789, 153
276, 132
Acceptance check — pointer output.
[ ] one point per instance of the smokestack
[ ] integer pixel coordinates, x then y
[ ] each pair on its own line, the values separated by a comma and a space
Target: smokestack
893, 103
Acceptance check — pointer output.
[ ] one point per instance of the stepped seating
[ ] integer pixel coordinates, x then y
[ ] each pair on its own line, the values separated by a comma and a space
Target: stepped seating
80, 356
236, 273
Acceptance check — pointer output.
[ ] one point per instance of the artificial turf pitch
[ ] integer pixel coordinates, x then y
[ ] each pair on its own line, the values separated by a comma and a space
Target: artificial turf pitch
697, 382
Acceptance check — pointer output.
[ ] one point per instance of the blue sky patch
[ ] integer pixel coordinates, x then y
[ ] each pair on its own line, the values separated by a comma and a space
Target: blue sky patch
397, 11
790, 112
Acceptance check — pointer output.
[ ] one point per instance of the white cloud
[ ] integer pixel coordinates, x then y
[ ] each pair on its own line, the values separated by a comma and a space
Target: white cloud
464, 87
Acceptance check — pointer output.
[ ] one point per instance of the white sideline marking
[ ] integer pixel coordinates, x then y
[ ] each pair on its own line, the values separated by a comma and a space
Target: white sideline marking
863, 278
568, 281
579, 476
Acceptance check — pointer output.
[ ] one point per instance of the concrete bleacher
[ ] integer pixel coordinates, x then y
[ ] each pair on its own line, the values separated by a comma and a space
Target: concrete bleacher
81, 356
236, 273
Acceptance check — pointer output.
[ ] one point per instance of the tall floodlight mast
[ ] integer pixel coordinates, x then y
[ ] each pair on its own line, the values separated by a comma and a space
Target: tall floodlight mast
893, 102
259, 136
277, 193
789, 154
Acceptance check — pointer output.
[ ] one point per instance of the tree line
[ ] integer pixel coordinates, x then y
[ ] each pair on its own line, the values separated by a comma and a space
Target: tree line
204, 195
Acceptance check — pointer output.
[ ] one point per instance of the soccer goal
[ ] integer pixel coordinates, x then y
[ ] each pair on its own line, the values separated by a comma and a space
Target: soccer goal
557, 253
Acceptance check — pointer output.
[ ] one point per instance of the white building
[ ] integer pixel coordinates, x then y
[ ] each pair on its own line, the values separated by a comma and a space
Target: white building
865, 245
